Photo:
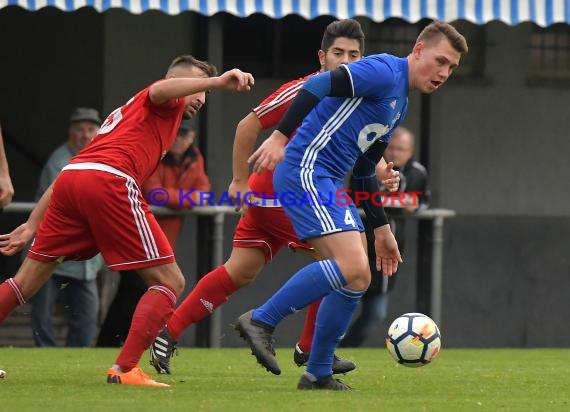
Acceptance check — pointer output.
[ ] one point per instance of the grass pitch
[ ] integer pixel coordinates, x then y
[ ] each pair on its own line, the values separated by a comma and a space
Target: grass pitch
230, 380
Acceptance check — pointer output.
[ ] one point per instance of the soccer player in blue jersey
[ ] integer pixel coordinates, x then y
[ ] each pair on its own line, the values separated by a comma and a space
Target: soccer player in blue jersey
349, 116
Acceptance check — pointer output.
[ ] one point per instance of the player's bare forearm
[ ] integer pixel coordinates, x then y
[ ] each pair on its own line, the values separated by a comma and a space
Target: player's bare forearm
13, 242
174, 88
247, 132
3, 160
39, 211
6, 188
271, 152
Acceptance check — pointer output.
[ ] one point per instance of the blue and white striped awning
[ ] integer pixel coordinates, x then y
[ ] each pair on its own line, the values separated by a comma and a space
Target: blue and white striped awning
541, 12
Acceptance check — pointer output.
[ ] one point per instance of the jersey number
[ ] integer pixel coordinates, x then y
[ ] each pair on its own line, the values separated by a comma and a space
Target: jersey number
370, 133
111, 121
349, 219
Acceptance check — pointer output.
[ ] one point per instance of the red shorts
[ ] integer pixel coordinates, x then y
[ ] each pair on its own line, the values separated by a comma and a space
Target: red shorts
268, 228
93, 211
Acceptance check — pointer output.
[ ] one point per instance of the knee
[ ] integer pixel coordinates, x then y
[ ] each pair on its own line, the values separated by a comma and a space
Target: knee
169, 275
356, 272
177, 283
244, 266
242, 278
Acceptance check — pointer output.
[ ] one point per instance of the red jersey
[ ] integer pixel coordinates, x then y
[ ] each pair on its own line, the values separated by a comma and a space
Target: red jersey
269, 113
136, 136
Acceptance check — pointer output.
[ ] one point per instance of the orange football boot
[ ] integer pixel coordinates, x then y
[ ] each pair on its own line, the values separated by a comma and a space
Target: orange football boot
135, 376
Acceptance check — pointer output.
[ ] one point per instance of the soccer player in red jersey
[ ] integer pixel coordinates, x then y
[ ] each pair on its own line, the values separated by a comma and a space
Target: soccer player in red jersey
95, 204
265, 229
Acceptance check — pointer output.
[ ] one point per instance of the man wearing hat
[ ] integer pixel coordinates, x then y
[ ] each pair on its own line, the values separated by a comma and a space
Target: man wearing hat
182, 168
76, 280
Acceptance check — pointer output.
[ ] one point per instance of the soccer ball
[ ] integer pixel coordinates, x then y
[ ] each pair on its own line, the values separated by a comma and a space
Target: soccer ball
413, 340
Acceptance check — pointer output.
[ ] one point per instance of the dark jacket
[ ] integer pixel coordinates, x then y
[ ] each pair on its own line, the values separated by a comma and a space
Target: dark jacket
413, 178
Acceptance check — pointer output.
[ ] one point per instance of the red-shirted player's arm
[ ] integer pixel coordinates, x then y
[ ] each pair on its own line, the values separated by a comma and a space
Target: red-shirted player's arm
13, 242
173, 88
266, 115
39, 211
6, 188
247, 131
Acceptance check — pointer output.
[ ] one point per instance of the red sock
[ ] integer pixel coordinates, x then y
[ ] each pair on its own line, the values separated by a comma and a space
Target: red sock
306, 339
10, 297
211, 292
151, 314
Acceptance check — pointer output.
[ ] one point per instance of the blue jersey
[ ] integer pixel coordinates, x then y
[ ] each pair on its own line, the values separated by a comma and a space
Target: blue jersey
339, 129
338, 134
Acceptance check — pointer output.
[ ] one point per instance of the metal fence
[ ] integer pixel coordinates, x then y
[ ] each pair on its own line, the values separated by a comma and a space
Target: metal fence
218, 213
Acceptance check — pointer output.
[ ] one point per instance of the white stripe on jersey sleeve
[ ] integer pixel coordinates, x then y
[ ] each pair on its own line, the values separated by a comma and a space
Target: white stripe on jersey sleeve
282, 98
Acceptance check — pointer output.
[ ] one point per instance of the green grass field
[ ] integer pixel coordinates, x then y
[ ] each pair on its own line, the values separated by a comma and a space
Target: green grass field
230, 380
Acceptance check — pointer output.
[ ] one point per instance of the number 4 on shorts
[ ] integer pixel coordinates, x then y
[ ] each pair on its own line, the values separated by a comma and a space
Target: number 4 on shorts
349, 219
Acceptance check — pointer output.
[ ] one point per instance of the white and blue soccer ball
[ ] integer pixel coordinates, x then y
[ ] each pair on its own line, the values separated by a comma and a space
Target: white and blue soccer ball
413, 340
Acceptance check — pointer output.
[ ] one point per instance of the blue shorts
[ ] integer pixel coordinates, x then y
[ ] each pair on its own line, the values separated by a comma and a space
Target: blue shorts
315, 203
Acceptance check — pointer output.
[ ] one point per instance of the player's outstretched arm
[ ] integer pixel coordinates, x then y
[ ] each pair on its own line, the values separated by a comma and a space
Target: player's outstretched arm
13, 242
173, 88
247, 132
235, 80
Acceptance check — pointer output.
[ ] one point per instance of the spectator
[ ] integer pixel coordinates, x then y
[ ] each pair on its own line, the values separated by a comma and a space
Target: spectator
413, 178
75, 279
181, 168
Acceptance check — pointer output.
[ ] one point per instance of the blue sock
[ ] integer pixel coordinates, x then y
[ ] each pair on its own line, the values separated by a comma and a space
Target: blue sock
333, 318
306, 286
